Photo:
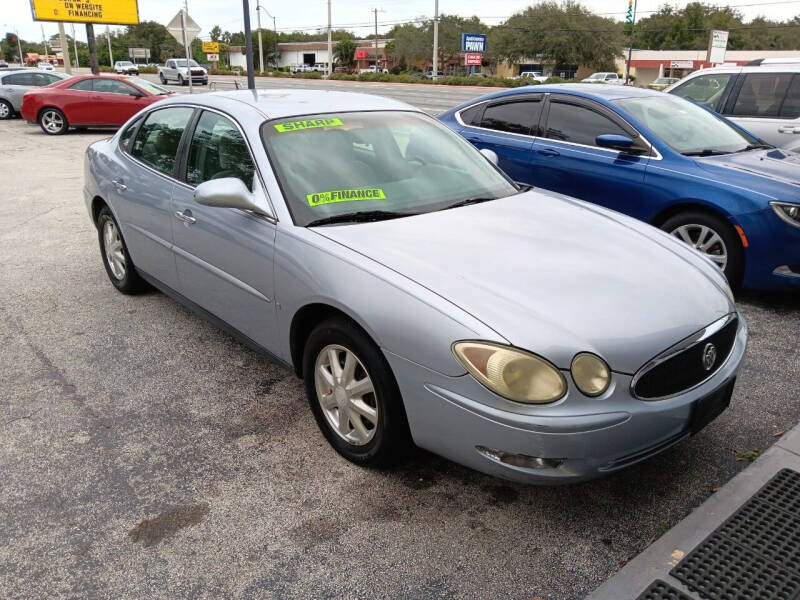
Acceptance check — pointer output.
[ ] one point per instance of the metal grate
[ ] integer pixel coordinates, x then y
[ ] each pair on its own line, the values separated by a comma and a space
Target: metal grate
755, 554
660, 590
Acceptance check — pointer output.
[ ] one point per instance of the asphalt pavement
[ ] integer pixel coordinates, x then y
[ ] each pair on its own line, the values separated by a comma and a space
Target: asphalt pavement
146, 454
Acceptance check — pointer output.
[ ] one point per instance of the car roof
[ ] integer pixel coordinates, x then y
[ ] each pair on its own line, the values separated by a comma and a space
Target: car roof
587, 90
277, 103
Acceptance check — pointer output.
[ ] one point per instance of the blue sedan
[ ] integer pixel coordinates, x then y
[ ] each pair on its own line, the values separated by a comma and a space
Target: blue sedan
656, 157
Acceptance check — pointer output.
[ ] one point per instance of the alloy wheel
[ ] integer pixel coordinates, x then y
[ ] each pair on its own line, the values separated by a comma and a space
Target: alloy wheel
52, 121
112, 244
346, 394
705, 240
4, 110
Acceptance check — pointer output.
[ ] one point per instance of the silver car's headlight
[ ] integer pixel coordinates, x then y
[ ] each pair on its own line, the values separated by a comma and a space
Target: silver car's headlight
590, 373
787, 211
512, 373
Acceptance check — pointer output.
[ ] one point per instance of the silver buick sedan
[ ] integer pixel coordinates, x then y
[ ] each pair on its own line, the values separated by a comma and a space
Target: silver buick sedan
419, 293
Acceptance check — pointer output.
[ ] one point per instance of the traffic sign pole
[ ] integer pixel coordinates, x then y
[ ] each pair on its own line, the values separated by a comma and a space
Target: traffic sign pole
90, 41
186, 47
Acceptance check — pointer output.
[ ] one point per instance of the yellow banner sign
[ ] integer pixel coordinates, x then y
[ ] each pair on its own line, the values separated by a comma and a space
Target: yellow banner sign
113, 12
211, 47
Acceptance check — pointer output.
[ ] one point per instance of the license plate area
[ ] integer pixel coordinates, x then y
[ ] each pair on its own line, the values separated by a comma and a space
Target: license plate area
709, 408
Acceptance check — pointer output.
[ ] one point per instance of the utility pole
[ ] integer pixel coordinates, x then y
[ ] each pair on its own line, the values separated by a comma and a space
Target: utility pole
260, 46
248, 45
435, 72
375, 10
44, 39
632, 18
330, 42
64, 48
110, 55
186, 47
90, 41
75, 46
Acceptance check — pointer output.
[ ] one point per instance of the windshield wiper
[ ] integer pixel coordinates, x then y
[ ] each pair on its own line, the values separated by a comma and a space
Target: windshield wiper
476, 200
706, 152
756, 147
363, 216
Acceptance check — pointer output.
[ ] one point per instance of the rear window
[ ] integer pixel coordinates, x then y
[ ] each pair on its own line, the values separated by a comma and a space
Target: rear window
791, 104
762, 94
472, 115
513, 117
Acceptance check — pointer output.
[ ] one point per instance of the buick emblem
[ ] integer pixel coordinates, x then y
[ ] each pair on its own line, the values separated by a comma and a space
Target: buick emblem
709, 356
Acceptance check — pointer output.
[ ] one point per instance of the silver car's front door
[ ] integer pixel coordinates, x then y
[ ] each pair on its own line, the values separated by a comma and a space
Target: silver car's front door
224, 256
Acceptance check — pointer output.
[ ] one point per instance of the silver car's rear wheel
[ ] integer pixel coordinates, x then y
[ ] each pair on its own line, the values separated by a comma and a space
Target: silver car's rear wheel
705, 240
112, 244
346, 394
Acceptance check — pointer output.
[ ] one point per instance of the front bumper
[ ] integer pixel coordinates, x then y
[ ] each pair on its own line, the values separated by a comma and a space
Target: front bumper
772, 260
585, 438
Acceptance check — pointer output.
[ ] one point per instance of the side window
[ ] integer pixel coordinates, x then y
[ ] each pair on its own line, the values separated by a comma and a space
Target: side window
125, 138
218, 150
171, 64
578, 124
472, 115
84, 85
51, 78
19, 79
705, 89
762, 94
513, 117
791, 105
112, 86
157, 140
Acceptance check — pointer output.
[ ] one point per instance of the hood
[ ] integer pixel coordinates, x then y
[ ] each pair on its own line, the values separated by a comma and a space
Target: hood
552, 275
774, 165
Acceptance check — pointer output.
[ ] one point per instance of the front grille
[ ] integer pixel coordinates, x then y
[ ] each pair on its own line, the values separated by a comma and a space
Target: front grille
686, 369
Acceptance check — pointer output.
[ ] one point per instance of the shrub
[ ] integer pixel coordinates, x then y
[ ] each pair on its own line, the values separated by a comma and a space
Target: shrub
146, 69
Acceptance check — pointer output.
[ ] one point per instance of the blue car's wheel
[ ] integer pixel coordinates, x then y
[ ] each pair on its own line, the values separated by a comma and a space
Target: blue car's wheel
711, 236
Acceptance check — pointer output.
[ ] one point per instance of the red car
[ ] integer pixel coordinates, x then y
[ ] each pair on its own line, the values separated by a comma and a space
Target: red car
89, 101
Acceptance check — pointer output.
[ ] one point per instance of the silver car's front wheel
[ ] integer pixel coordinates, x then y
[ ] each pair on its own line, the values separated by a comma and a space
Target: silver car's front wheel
705, 240
346, 394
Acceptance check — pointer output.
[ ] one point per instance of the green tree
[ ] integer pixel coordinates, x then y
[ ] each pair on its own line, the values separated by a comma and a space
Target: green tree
345, 52
566, 33
215, 33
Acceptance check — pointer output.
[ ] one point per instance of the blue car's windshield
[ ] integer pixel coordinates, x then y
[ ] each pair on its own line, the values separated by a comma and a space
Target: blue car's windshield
686, 127
376, 165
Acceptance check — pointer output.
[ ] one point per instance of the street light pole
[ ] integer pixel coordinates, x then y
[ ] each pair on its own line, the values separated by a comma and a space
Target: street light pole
330, 42
110, 55
630, 47
435, 72
260, 46
248, 46
75, 46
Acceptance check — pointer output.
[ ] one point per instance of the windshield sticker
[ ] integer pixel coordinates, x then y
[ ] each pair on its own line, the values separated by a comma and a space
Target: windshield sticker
345, 196
308, 124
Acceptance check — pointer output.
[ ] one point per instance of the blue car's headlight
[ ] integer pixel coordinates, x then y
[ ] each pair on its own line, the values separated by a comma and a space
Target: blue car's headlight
511, 373
787, 211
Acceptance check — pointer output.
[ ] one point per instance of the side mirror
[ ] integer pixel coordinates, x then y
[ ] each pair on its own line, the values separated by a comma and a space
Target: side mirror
490, 155
614, 141
228, 192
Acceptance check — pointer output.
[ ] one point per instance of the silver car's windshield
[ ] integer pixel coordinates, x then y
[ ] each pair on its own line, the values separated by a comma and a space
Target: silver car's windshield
686, 127
375, 165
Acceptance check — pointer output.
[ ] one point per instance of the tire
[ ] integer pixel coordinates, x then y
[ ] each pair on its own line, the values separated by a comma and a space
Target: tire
53, 122
126, 280
180, 80
387, 433
688, 227
6, 110
162, 79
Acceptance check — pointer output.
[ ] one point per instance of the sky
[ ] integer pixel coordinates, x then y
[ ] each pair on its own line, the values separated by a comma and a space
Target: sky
355, 15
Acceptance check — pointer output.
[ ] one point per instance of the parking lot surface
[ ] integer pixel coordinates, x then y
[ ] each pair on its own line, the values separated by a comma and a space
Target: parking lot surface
145, 453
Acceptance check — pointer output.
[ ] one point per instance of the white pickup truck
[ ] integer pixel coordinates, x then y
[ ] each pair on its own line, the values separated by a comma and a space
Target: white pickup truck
373, 69
535, 75
175, 69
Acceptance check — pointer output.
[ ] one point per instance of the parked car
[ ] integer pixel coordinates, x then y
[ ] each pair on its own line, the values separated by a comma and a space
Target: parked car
373, 69
662, 83
416, 290
764, 98
611, 78
320, 67
535, 75
176, 69
342, 70
429, 74
303, 69
89, 101
15, 83
656, 157
125, 67
3, 64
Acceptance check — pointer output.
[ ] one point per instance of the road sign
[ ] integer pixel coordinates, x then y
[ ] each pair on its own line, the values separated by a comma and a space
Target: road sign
212, 57
139, 53
473, 42
681, 64
717, 44
211, 47
192, 28
473, 59
112, 12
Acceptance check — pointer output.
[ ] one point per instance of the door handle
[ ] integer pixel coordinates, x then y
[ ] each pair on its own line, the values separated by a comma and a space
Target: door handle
788, 129
119, 185
548, 152
185, 217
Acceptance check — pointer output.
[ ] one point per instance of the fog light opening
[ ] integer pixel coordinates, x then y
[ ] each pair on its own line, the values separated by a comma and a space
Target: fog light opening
523, 461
